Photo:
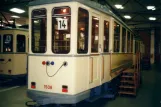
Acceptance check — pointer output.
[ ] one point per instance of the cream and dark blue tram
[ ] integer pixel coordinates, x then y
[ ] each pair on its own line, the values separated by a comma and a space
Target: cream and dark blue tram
13, 53
76, 48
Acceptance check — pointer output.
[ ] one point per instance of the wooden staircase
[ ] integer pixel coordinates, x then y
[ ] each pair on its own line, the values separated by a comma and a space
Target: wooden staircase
130, 78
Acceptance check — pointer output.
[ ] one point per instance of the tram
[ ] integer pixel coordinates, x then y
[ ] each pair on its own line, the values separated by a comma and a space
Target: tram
13, 53
75, 46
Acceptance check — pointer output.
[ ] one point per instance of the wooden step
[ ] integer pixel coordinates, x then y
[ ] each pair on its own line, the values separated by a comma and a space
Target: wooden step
122, 86
129, 93
125, 76
129, 71
126, 81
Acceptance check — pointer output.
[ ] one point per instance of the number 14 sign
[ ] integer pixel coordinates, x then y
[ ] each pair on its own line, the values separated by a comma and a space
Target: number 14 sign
62, 24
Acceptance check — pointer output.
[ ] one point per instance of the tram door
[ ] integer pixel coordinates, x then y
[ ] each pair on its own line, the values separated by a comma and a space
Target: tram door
94, 60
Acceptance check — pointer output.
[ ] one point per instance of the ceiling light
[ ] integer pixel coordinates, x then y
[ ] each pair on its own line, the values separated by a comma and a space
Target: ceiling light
18, 25
36, 21
11, 21
118, 6
15, 16
95, 18
16, 10
152, 18
127, 17
151, 7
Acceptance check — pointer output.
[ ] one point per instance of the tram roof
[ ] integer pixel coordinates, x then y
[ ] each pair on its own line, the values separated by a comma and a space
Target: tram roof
91, 4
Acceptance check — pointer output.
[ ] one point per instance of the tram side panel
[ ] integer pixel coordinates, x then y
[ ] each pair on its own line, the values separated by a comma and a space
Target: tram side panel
120, 62
52, 77
20, 64
79, 75
6, 64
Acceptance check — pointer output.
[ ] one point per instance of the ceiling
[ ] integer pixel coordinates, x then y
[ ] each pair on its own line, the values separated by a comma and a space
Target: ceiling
135, 8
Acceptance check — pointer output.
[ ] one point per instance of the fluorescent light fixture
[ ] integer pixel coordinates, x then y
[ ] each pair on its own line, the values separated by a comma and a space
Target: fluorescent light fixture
17, 10
118, 6
35, 21
18, 25
152, 18
95, 18
127, 17
151, 7
11, 21
15, 16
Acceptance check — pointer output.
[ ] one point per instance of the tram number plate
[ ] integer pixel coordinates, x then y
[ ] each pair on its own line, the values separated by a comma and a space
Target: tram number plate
62, 24
48, 87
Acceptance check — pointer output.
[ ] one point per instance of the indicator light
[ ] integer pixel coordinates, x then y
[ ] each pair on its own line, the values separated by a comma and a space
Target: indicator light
33, 85
48, 63
43, 62
65, 88
52, 63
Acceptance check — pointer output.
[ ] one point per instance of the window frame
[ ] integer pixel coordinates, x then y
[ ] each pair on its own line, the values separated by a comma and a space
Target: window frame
99, 21
114, 36
107, 20
132, 43
59, 15
124, 50
17, 42
1, 43
128, 40
12, 38
35, 52
88, 30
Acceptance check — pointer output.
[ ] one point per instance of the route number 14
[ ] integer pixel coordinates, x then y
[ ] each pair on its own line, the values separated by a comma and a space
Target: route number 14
62, 24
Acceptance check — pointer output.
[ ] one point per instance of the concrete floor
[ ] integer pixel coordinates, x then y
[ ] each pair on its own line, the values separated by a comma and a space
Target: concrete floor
149, 95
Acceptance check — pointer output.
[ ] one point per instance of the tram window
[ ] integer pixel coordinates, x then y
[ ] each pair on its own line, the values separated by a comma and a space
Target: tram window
8, 43
123, 39
0, 43
83, 22
61, 33
136, 47
128, 43
106, 36
61, 11
132, 37
39, 31
21, 43
116, 37
95, 34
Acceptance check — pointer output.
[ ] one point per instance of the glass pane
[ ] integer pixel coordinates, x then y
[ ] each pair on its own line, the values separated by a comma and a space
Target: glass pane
95, 34
61, 26
83, 22
123, 40
39, 31
128, 42
8, 43
116, 37
0, 43
132, 37
61, 11
21, 43
106, 36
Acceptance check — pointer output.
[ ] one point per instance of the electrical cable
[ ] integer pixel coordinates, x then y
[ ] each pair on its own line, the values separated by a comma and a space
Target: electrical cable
64, 64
